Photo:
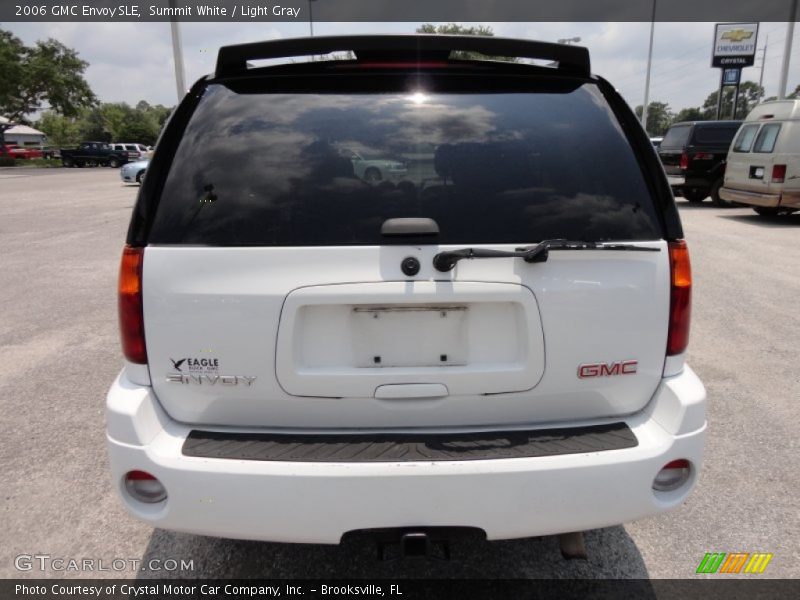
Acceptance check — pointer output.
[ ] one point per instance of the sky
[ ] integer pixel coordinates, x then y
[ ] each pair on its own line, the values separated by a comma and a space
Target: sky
129, 62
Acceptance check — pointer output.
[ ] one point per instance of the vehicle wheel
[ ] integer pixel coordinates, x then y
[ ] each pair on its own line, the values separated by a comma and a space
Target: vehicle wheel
694, 195
67, 162
114, 163
766, 211
372, 175
715, 198
139, 177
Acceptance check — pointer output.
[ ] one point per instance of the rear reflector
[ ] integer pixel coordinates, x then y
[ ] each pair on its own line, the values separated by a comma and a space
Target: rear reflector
144, 487
684, 164
131, 316
778, 173
680, 304
672, 475
703, 156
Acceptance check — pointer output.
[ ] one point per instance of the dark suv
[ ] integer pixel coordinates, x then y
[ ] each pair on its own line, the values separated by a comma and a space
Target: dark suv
694, 155
493, 337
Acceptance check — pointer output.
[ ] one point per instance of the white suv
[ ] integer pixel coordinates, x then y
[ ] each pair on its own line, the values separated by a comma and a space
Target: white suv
496, 341
135, 151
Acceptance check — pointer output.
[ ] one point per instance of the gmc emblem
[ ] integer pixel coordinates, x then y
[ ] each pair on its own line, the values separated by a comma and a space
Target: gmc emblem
621, 367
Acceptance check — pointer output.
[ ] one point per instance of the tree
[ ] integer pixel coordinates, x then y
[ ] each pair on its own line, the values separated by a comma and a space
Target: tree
689, 114
47, 72
61, 131
659, 117
455, 29
749, 94
106, 122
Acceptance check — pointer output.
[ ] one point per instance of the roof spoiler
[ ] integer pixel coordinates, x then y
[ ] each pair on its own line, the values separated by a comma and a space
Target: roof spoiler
232, 60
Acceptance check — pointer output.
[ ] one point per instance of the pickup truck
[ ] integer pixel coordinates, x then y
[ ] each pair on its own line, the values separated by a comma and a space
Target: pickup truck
694, 155
95, 153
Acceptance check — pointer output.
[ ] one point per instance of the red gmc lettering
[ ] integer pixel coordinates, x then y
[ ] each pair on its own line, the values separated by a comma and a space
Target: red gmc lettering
624, 367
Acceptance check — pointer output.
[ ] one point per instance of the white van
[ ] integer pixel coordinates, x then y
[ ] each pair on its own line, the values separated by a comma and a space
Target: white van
764, 161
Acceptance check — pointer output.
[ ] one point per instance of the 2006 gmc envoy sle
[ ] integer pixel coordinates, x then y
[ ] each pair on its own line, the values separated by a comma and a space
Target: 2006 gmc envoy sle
491, 337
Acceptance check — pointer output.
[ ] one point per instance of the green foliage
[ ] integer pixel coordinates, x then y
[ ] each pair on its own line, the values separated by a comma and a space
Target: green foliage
61, 131
456, 29
749, 94
47, 72
108, 122
689, 114
659, 117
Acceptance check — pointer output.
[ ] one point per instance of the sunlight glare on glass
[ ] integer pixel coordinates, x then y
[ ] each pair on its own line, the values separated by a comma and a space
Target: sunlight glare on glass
418, 98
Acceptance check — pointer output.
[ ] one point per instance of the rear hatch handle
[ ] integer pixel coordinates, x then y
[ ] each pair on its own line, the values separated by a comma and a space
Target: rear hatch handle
446, 261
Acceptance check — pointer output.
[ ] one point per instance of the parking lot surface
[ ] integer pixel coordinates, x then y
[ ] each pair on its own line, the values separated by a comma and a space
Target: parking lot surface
61, 234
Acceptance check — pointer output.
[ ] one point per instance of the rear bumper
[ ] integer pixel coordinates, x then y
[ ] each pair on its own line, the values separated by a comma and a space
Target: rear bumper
319, 502
750, 198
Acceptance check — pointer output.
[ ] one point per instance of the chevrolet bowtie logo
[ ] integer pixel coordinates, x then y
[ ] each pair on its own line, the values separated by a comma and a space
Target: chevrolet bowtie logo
737, 35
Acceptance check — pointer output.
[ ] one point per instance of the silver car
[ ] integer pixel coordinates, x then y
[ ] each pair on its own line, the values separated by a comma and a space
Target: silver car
133, 172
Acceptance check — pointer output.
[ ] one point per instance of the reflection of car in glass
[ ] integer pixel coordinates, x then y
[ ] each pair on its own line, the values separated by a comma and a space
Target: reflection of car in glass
501, 349
374, 170
133, 172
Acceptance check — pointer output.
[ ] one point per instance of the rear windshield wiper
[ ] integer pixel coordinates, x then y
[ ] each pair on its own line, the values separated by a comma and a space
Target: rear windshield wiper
446, 261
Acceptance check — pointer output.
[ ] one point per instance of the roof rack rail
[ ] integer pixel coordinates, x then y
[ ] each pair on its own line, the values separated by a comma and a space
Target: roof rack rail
232, 60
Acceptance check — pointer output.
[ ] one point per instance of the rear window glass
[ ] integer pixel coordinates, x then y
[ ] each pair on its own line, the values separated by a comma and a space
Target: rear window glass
310, 169
765, 142
744, 141
676, 137
715, 135
131, 147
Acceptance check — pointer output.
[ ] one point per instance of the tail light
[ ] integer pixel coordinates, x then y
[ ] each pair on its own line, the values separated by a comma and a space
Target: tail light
680, 303
684, 164
672, 475
131, 315
778, 173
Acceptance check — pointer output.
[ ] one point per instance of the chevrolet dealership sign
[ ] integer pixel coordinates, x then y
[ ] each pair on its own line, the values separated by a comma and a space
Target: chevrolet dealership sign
734, 45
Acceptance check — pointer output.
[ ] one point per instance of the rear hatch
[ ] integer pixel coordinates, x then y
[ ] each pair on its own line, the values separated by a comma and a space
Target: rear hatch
752, 159
672, 146
275, 296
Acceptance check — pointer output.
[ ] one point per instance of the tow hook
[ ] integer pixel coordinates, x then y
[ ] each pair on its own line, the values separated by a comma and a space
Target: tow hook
414, 544
572, 545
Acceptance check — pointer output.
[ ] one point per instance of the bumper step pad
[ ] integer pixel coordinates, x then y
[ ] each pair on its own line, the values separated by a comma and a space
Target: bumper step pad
407, 447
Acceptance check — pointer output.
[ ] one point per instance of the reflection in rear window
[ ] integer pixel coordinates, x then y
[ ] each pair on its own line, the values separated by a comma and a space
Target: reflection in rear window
722, 136
307, 169
766, 137
676, 136
745, 138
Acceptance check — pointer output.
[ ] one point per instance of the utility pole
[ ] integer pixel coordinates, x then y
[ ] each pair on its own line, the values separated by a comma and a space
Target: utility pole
763, 62
787, 51
311, 17
177, 55
649, 66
